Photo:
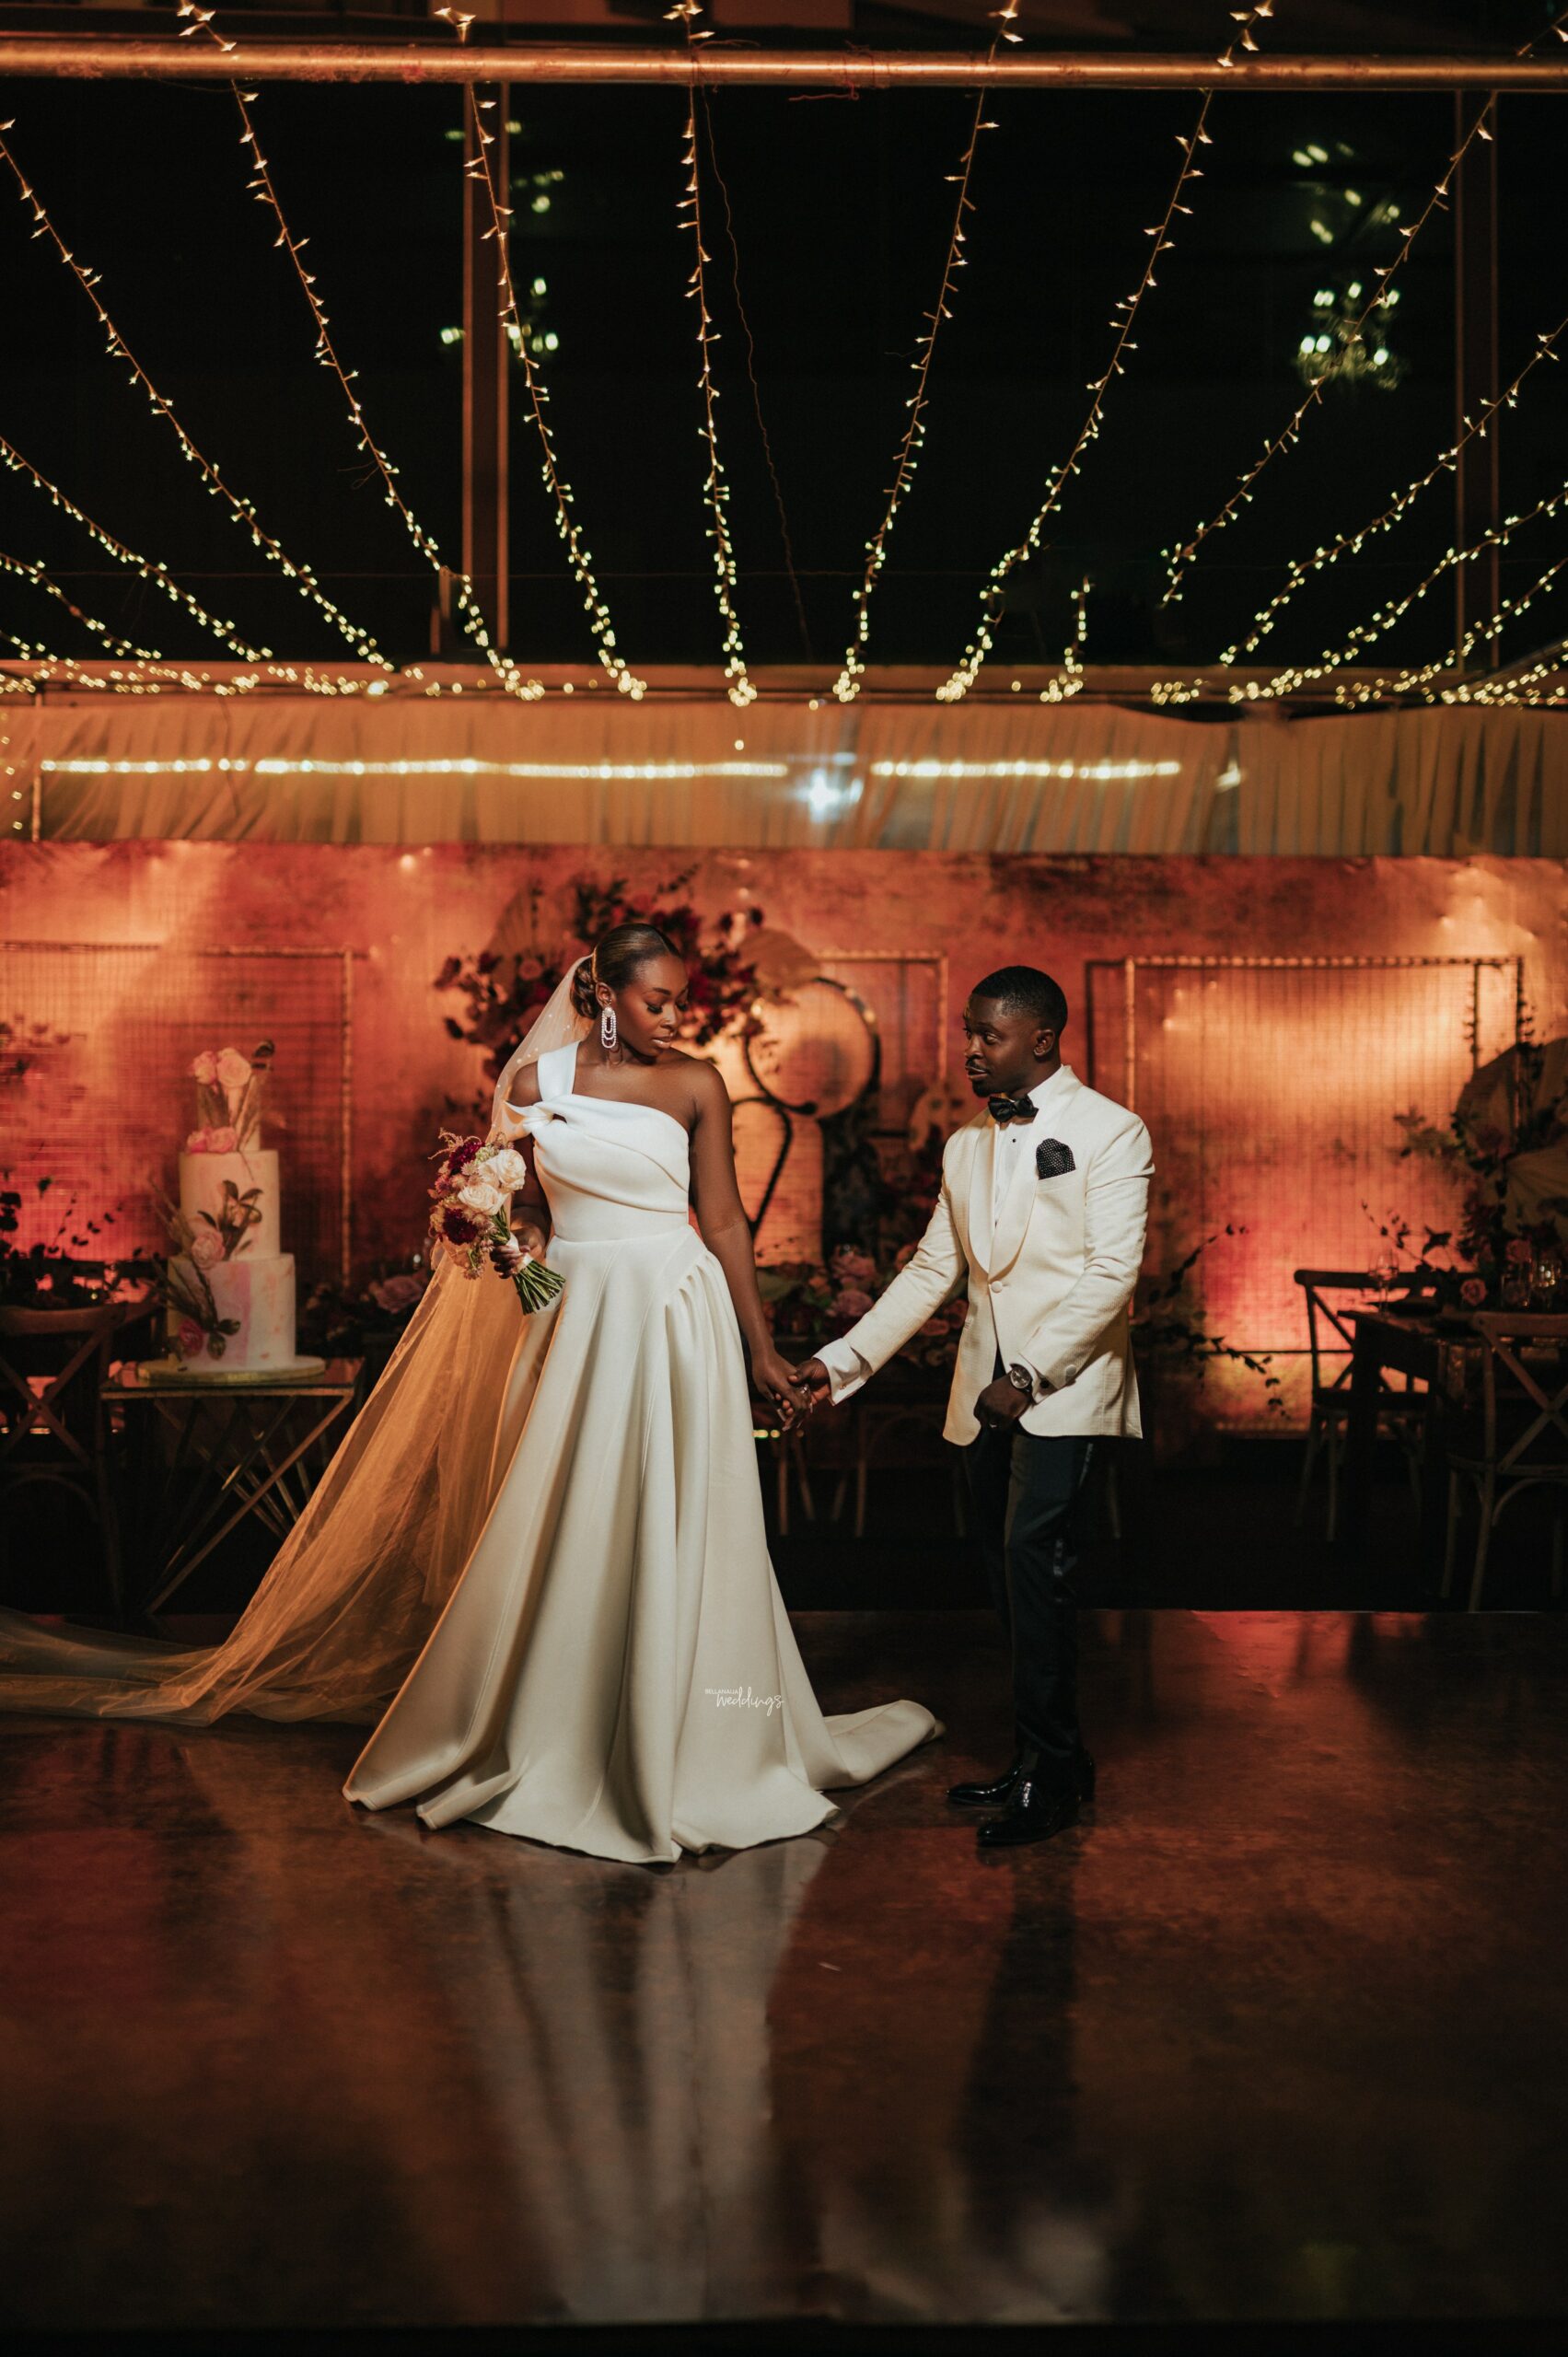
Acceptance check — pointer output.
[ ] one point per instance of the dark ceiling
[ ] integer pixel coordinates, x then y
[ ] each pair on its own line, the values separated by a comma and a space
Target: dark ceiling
838, 208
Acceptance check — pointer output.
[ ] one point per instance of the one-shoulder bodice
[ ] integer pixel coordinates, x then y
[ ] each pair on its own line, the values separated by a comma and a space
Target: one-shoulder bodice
610, 1168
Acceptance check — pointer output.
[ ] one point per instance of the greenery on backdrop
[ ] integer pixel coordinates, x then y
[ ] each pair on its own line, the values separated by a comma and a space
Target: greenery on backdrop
505, 990
1505, 1147
43, 1275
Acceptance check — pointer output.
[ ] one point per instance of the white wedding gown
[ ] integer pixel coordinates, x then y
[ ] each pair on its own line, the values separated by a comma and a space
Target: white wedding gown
583, 1637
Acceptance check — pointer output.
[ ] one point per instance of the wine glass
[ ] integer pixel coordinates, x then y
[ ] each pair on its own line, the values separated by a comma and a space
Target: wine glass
1382, 1270
1548, 1281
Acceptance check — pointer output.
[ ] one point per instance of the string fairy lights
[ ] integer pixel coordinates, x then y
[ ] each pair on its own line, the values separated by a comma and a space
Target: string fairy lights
716, 487
912, 441
145, 568
1417, 680
478, 170
200, 22
1071, 679
1181, 560
1297, 676
1352, 543
1122, 320
242, 510
22, 569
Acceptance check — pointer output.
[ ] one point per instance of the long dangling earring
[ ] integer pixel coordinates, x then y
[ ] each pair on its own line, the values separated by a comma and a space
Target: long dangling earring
607, 1031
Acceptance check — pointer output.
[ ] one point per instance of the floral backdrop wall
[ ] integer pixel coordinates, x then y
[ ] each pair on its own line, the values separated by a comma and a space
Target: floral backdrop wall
121, 961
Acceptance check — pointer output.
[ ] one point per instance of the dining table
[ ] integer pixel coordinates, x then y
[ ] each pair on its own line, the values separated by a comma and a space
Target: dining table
1439, 1348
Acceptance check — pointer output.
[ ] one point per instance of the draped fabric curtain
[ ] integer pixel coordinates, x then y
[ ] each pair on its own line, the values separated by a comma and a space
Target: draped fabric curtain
1012, 777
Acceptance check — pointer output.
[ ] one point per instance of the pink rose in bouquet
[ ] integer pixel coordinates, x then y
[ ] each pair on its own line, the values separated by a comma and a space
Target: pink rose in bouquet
189, 1336
850, 1301
206, 1248
204, 1069
197, 1142
222, 1140
851, 1268
231, 1068
1473, 1293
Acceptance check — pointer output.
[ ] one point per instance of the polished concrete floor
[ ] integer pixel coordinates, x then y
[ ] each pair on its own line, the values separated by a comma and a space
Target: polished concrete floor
1282, 2033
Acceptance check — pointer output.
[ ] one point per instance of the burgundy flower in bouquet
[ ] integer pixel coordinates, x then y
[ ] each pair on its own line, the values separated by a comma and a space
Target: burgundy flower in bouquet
469, 1218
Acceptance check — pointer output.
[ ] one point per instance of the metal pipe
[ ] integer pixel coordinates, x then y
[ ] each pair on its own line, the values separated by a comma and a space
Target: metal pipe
99, 58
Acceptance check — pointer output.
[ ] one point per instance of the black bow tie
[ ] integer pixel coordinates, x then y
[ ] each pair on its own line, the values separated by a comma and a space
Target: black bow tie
1011, 1109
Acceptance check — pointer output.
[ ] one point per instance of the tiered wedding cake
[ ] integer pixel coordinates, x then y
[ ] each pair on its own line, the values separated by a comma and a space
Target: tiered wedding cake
230, 1289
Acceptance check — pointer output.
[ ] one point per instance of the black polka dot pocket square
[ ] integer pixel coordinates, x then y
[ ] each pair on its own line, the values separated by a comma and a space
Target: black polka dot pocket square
1052, 1159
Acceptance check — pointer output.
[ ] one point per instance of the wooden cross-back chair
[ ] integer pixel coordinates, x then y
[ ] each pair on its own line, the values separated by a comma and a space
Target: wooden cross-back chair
1520, 1441
1329, 1334
53, 1365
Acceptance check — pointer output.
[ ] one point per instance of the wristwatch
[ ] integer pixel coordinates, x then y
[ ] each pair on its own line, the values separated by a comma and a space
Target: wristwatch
1021, 1380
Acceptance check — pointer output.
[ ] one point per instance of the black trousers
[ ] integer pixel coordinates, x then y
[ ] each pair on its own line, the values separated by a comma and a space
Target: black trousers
1028, 1490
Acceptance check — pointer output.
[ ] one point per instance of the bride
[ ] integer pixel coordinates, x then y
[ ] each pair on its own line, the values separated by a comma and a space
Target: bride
538, 1560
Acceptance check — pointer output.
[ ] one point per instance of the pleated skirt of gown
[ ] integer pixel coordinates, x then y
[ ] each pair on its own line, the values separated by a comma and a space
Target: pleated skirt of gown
615, 1671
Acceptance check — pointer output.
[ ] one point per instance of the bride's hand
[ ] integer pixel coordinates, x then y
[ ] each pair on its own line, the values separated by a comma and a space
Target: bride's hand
777, 1377
531, 1239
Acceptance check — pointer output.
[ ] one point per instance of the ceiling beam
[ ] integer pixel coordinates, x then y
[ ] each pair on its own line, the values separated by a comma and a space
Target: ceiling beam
95, 58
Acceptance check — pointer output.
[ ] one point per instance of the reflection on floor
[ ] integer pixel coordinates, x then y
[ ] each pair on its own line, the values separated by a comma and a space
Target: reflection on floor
1281, 2034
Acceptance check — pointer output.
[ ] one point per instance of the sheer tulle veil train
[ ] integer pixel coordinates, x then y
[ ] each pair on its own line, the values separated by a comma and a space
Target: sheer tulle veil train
364, 1577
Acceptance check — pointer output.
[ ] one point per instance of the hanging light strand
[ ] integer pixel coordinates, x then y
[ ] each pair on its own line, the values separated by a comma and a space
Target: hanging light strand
1517, 683
912, 441
478, 170
1180, 561
22, 570
1297, 676
1122, 320
1063, 688
1352, 543
240, 509
261, 186
1418, 679
145, 568
716, 487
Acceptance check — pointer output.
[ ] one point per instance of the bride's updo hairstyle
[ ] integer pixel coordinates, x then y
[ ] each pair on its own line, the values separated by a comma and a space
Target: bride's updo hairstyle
617, 956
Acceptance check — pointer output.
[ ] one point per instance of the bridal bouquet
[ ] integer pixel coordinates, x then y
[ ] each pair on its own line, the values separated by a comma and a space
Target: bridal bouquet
468, 1217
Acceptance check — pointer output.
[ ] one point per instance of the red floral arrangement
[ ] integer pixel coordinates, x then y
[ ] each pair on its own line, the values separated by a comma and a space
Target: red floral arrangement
505, 993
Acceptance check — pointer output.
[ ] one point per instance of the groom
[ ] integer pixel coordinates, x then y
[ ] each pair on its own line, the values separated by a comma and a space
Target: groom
1043, 1207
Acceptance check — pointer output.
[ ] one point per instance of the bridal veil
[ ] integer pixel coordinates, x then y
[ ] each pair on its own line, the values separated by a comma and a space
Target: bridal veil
361, 1578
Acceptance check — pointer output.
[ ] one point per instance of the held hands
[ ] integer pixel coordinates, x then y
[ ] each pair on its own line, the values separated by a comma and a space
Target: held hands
780, 1382
812, 1378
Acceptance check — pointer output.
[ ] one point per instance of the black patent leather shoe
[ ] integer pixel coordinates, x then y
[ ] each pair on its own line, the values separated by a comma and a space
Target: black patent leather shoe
995, 1794
1034, 1813
999, 1791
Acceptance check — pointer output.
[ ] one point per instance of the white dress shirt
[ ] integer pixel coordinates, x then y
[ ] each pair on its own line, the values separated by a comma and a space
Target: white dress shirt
1013, 1141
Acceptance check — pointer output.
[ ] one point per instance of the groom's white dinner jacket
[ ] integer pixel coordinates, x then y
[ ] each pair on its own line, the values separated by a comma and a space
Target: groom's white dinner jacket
1050, 1269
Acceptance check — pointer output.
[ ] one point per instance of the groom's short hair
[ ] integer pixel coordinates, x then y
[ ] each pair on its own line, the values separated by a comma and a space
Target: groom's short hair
1024, 989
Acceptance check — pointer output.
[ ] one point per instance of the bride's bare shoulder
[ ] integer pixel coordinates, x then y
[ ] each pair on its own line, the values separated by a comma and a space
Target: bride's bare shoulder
701, 1082
524, 1087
